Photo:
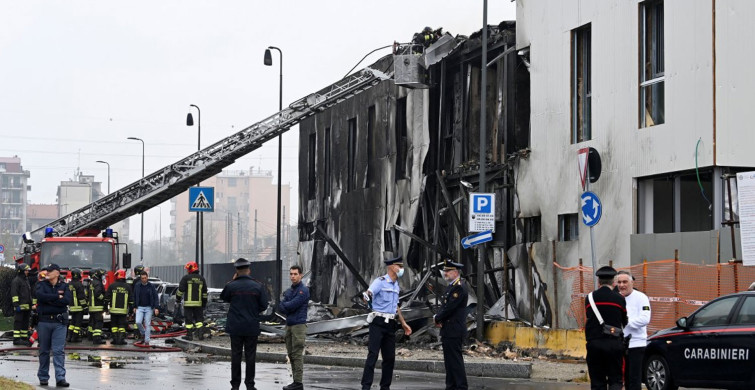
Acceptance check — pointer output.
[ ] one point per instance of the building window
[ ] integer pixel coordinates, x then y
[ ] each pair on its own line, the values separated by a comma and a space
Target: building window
231, 182
680, 202
401, 141
652, 95
581, 84
311, 171
351, 179
370, 179
568, 227
326, 187
531, 232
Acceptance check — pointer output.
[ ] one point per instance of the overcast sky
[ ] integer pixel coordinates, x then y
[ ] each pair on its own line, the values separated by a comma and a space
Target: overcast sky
79, 77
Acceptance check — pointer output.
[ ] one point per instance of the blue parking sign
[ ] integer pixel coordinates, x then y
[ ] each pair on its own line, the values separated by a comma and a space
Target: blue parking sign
481, 212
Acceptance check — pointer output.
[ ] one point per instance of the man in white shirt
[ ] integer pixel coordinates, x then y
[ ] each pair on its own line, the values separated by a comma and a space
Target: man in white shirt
638, 311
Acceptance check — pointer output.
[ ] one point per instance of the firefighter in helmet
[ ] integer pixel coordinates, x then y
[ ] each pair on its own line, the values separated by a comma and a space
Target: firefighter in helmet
96, 302
21, 298
193, 291
119, 297
76, 309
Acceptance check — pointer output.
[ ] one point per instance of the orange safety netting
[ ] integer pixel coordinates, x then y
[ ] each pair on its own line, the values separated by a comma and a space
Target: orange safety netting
675, 289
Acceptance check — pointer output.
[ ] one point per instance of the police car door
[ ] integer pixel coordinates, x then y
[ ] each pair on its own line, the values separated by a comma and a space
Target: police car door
696, 349
738, 342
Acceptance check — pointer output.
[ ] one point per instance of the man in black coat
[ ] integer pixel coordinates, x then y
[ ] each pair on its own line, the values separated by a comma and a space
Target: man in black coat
452, 318
248, 300
605, 352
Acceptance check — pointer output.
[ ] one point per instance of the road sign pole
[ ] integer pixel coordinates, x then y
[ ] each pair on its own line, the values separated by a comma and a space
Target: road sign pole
592, 241
483, 166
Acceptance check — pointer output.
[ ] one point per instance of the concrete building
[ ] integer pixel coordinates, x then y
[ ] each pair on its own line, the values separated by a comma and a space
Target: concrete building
662, 90
38, 215
243, 223
13, 198
81, 191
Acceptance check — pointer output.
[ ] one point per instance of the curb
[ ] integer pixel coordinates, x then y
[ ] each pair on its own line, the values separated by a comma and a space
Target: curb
495, 370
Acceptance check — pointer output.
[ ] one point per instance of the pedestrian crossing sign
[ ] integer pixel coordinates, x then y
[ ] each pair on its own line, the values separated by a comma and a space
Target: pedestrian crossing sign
202, 199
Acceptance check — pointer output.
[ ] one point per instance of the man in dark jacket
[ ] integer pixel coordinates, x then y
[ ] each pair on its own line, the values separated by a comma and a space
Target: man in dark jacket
20, 293
96, 303
79, 303
452, 318
294, 306
53, 298
146, 303
605, 352
248, 300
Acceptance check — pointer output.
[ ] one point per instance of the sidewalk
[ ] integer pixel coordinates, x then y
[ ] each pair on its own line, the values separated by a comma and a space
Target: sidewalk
332, 353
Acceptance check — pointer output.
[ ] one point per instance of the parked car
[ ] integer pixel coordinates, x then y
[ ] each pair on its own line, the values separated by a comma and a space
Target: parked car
710, 348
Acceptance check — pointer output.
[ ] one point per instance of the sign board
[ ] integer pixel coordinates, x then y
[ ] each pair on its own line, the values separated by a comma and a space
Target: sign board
2, 257
481, 212
202, 199
582, 155
2, 248
592, 209
746, 201
479, 238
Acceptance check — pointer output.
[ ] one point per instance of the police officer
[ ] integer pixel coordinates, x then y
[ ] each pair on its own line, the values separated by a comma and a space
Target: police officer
96, 303
76, 309
20, 293
452, 318
605, 351
193, 291
383, 293
53, 298
248, 299
119, 297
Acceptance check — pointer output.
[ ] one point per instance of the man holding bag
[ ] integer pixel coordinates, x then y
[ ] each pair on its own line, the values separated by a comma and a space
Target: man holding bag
606, 317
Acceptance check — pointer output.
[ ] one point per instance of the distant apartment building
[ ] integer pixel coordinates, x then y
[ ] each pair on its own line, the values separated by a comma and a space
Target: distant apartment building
81, 191
13, 198
243, 223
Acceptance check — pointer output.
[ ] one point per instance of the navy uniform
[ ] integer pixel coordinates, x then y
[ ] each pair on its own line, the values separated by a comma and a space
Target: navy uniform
20, 293
120, 298
96, 303
76, 309
248, 299
605, 353
452, 318
384, 293
193, 290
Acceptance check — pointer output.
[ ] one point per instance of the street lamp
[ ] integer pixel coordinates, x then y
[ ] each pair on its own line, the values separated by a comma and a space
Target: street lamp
141, 254
279, 261
108, 174
199, 245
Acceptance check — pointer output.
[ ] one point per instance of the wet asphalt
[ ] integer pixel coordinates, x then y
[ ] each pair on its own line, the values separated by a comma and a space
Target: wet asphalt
179, 370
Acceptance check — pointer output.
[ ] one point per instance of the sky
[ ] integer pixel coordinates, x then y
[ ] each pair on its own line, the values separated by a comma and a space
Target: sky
77, 78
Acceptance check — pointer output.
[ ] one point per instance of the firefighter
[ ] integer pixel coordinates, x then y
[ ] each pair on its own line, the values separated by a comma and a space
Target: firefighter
95, 301
21, 298
77, 306
119, 297
41, 275
193, 291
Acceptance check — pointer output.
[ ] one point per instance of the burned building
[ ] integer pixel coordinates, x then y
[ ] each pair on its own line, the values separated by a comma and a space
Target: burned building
389, 169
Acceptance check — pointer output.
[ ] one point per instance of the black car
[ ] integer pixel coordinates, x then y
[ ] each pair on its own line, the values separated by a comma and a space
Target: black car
713, 348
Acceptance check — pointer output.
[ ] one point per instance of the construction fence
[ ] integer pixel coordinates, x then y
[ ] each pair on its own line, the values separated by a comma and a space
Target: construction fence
675, 289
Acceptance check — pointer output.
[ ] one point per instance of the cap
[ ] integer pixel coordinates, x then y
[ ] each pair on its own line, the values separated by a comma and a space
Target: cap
394, 260
241, 263
53, 267
605, 272
449, 265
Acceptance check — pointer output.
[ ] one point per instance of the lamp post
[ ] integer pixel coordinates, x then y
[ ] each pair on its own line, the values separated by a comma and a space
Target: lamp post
199, 245
279, 261
141, 251
108, 174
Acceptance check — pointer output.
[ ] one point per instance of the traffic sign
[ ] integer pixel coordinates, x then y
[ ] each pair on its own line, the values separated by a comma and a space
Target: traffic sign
592, 209
475, 239
2, 248
481, 212
202, 199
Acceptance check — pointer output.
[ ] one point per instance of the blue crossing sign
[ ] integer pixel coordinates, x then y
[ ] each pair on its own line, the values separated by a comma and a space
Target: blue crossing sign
202, 199
592, 209
475, 239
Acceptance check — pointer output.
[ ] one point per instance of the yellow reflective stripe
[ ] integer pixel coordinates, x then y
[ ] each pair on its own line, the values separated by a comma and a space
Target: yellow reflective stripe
14, 298
198, 325
24, 306
188, 292
34, 301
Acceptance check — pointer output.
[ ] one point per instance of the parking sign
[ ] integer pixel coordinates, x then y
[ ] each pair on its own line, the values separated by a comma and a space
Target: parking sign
481, 212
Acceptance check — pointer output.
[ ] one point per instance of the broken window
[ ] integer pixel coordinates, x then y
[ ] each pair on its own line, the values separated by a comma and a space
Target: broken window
326, 157
351, 179
694, 202
531, 231
401, 141
581, 84
370, 179
311, 166
652, 95
568, 227
679, 202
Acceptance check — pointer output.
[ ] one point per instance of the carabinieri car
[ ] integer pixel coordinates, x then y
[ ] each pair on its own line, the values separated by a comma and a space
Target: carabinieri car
714, 347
